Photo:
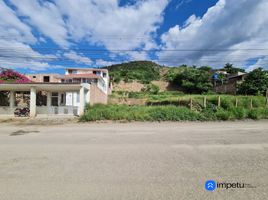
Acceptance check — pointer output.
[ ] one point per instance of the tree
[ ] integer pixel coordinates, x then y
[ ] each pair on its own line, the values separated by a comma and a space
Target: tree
206, 68
10, 76
229, 68
194, 80
256, 83
152, 88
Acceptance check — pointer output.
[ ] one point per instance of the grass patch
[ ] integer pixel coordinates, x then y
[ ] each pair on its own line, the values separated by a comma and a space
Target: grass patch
170, 113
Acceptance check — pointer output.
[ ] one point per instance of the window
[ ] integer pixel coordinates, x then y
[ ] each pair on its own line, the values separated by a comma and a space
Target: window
46, 79
77, 80
54, 99
34, 76
104, 75
62, 99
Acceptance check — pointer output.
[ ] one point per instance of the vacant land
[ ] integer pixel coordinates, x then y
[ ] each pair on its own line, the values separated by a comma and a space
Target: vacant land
133, 161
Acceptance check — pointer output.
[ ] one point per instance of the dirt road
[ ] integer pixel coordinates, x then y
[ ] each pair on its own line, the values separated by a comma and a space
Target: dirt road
133, 161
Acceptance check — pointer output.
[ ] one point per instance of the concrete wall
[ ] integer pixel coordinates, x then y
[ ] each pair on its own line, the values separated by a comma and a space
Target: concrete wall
97, 95
6, 110
40, 77
54, 110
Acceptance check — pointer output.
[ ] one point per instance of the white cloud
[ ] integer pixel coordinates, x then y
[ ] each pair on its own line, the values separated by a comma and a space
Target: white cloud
46, 17
103, 22
102, 63
227, 25
261, 62
15, 40
78, 58
19, 55
11, 28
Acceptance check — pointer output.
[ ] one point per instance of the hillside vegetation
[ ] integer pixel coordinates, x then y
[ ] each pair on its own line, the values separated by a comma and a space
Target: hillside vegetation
188, 79
142, 71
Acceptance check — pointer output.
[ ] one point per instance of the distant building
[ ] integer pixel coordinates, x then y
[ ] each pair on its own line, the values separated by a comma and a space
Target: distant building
87, 75
230, 83
43, 78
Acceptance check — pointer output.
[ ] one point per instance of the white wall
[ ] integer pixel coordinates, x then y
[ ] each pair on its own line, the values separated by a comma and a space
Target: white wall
73, 98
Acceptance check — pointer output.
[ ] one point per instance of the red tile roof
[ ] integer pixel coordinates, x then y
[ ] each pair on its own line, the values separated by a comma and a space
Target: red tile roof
88, 69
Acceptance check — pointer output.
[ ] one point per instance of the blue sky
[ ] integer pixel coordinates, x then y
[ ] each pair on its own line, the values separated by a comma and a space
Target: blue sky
47, 36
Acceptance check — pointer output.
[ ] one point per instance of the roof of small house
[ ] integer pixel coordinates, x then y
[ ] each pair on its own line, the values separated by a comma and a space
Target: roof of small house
88, 69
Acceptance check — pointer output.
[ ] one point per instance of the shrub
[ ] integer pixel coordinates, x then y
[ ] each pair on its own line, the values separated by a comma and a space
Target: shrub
159, 112
226, 103
152, 88
209, 114
140, 113
257, 113
223, 115
8, 75
238, 113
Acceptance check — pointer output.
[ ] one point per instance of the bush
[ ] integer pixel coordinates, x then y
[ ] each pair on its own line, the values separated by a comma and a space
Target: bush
152, 88
140, 113
256, 114
238, 113
223, 115
173, 110
142, 71
226, 103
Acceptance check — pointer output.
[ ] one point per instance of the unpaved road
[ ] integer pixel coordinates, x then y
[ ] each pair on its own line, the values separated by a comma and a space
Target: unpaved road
112, 161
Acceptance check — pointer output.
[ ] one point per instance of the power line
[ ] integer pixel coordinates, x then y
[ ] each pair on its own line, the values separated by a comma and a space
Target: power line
126, 50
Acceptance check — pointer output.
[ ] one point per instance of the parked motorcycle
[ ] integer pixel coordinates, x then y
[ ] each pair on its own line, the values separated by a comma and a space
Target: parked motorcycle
22, 112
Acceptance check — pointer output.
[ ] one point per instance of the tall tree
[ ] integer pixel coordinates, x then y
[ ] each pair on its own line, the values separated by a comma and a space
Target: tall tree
194, 80
229, 68
256, 83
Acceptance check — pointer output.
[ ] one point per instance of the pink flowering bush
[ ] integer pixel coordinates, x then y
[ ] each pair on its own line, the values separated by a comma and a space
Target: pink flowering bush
10, 76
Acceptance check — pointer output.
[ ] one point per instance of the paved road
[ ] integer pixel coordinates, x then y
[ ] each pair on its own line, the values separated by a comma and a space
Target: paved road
112, 161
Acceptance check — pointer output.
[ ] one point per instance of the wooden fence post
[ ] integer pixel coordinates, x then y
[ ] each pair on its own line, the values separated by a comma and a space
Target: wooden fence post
236, 102
205, 102
191, 103
267, 97
219, 101
251, 103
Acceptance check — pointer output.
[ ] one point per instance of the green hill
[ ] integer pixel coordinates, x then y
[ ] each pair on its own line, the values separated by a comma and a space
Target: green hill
142, 71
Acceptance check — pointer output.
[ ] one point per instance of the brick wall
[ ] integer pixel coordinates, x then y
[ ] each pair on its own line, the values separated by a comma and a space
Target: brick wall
97, 95
229, 88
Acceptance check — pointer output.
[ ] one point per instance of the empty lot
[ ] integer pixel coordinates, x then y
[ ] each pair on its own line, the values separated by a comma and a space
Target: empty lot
133, 160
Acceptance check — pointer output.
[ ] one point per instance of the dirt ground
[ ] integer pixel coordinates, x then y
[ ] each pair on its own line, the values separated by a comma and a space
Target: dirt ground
73, 161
